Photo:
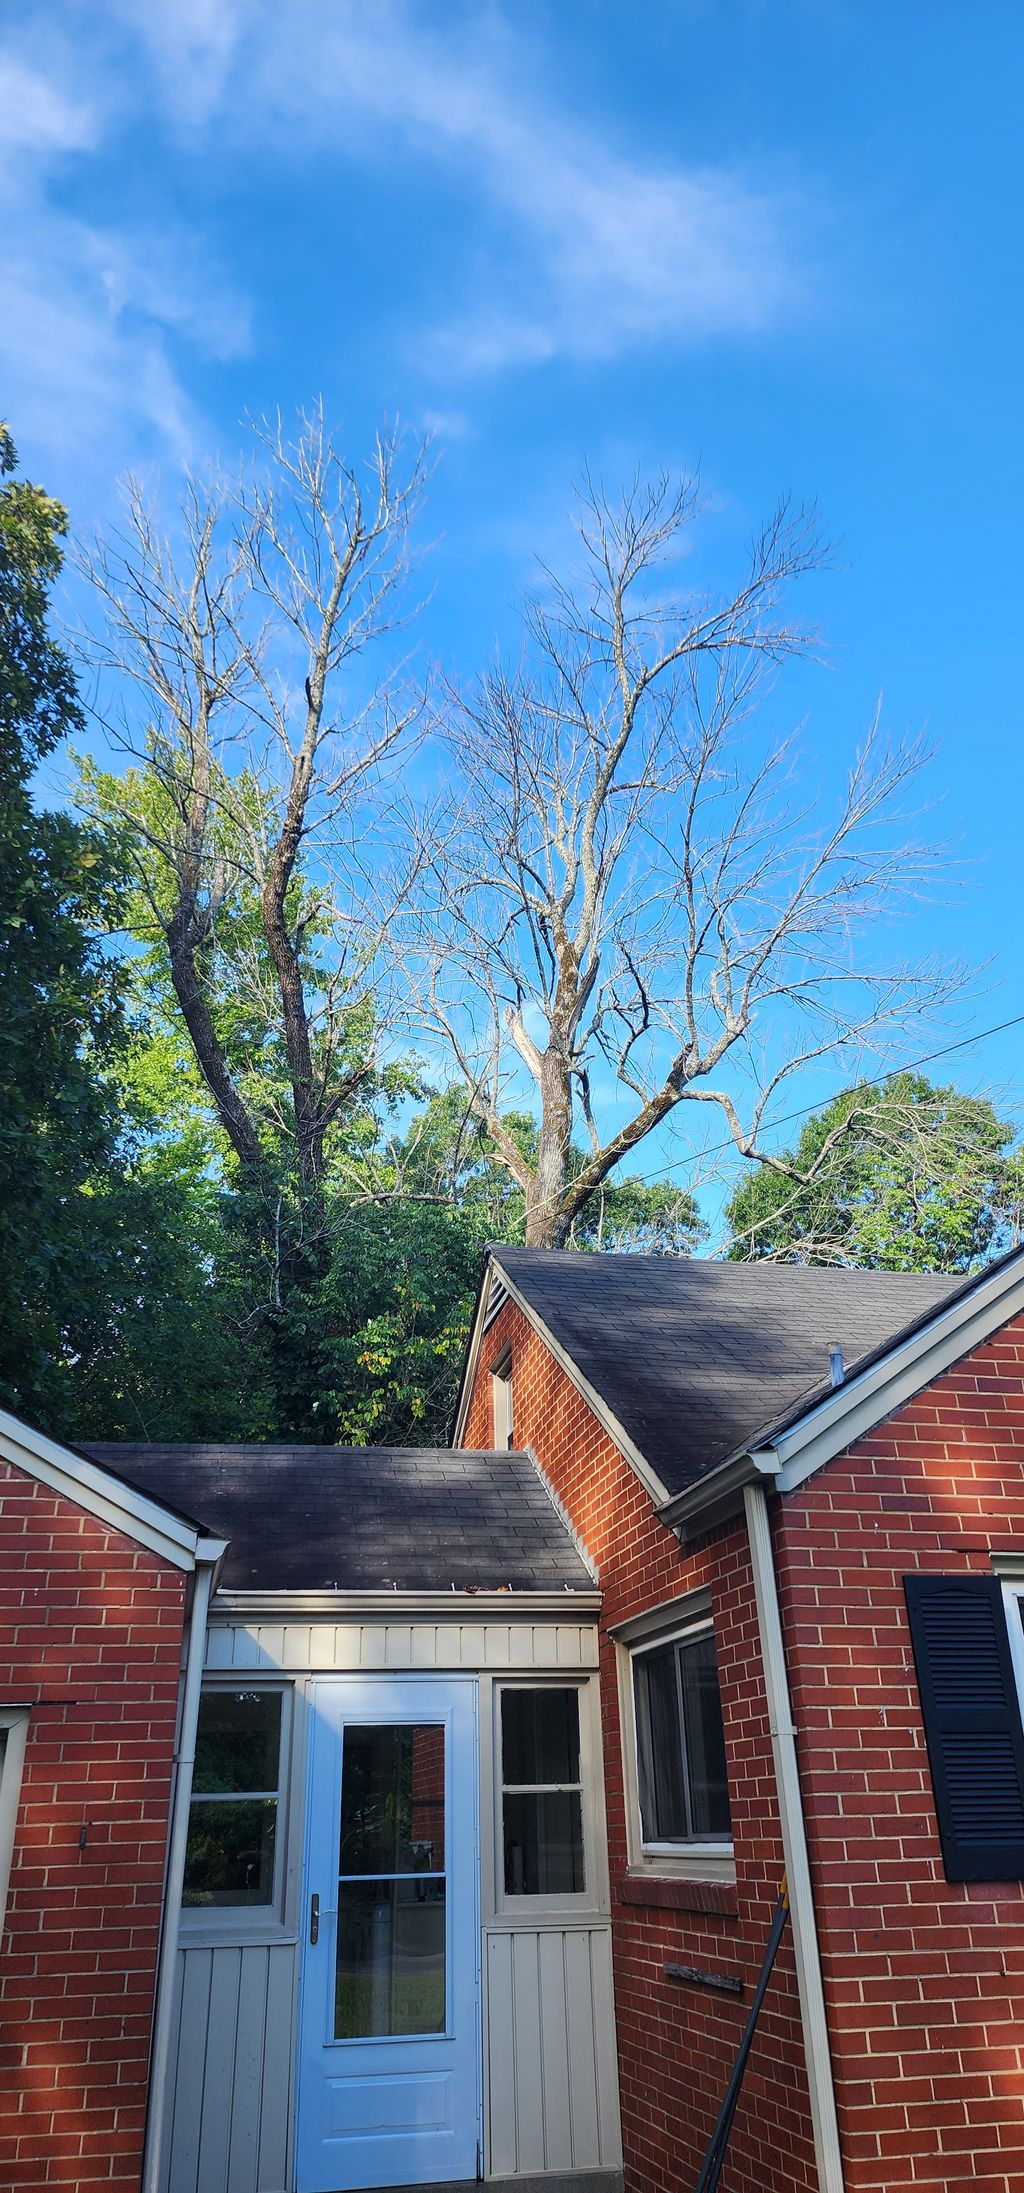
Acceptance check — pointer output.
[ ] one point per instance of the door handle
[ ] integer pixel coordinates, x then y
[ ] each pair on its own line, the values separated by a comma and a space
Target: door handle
314, 1920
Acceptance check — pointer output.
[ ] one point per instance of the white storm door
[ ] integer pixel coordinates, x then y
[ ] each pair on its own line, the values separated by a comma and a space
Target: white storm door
389, 2020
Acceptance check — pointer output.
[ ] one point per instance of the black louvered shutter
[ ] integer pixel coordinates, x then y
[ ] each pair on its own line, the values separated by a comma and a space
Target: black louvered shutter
972, 1723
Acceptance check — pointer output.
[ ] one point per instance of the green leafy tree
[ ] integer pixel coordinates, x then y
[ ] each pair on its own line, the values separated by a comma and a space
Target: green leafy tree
902, 1176
104, 1275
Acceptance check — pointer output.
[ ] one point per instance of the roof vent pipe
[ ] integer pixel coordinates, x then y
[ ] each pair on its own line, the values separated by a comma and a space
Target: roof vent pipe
836, 1366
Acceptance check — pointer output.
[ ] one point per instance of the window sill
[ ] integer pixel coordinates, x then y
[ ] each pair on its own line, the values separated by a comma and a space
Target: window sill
676, 1893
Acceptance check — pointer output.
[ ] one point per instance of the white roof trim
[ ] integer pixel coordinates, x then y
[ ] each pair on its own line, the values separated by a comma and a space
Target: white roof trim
871, 1395
92, 1487
480, 1323
568, 1605
637, 1462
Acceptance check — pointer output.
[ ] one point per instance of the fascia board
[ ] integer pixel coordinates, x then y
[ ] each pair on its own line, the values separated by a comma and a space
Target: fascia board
473, 1354
637, 1462
91, 1487
407, 1606
867, 1398
719, 1496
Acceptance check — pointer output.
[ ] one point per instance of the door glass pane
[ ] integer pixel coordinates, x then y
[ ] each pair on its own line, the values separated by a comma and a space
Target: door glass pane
543, 1843
392, 1800
705, 1737
540, 1736
390, 1976
238, 1741
230, 1857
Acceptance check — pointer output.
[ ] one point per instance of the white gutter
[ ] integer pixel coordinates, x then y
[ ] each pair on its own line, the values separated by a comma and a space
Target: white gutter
209, 1552
794, 1845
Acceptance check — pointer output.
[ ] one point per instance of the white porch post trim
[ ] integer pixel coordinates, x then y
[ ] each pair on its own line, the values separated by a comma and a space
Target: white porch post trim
794, 1844
207, 1558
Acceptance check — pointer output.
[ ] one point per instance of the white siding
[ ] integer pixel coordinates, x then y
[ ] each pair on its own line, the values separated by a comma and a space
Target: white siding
548, 2028
549, 2051
229, 2095
345, 1646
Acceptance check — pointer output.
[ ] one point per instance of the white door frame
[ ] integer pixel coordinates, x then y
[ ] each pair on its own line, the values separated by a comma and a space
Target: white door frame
355, 1681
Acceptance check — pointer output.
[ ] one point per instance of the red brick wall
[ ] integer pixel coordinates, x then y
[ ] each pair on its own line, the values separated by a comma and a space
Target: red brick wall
676, 2042
90, 1637
924, 1980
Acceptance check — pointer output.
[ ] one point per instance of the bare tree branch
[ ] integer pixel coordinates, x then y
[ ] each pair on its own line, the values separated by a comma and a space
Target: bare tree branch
629, 902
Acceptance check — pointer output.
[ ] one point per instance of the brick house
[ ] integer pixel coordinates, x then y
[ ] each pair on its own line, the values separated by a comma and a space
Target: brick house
822, 1472
96, 1586
435, 1802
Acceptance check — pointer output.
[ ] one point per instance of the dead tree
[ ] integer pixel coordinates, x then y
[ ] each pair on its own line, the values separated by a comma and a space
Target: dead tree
260, 737
633, 906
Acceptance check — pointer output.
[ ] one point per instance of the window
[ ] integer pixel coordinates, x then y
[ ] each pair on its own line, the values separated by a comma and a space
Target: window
233, 1829
541, 1792
13, 1732
501, 1392
683, 1785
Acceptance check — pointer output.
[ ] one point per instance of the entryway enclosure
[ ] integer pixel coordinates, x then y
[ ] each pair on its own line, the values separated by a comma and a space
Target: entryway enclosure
394, 1960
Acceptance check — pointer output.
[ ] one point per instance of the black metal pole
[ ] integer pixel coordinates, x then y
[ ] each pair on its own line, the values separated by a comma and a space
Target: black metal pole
715, 2157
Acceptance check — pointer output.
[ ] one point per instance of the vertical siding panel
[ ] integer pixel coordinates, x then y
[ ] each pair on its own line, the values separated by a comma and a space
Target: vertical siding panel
272, 2173
602, 1993
170, 2097
554, 2040
583, 2081
183, 2175
500, 2067
528, 2068
221, 2037
243, 2156
219, 1642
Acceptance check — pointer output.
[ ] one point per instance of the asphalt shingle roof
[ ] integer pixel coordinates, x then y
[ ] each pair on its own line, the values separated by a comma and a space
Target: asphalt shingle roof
364, 1518
696, 1360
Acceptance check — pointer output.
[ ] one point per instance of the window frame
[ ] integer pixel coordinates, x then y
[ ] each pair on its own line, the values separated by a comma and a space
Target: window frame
502, 1405
700, 1858
574, 1902
14, 1722
251, 1919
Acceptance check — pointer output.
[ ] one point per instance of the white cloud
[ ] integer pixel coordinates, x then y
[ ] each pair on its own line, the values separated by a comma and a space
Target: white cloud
605, 252
568, 244
88, 312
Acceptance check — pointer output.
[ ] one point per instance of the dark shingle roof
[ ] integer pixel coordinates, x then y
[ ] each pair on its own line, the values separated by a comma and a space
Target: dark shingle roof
365, 1518
696, 1360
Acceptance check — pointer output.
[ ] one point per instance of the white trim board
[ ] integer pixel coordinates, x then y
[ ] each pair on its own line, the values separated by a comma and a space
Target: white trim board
108, 1498
871, 1395
408, 1606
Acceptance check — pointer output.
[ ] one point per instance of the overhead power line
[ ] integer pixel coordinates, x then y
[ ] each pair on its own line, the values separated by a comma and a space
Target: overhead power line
871, 1081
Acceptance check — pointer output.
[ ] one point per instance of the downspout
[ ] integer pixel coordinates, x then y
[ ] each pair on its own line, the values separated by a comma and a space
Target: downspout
794, 1844
208, 1555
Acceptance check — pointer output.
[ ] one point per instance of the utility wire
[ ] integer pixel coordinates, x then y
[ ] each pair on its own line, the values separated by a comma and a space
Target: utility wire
873, 1081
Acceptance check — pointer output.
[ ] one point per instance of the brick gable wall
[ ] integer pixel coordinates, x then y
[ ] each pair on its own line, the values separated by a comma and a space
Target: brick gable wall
924, 1979
676, 2042
90, 1637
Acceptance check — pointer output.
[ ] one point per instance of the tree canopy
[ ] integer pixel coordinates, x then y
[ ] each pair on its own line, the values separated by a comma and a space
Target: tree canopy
896, 1176
240, 1197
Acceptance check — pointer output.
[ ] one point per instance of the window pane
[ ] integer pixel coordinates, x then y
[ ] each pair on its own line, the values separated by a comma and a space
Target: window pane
543, 1844
392, 1800
390, 1975
540, 1736
662, 1798
238, 1741
230, 1855
705, 1740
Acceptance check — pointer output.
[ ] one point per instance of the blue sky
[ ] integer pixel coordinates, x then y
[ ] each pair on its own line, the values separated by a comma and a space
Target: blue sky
783, 239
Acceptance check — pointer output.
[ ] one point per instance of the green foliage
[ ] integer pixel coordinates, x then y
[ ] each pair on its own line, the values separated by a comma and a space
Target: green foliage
98, 1250
901, 1176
